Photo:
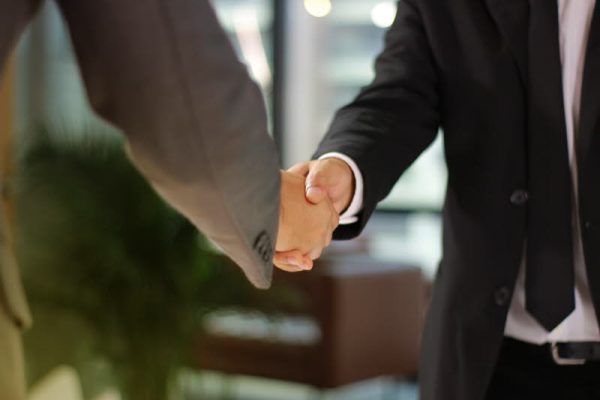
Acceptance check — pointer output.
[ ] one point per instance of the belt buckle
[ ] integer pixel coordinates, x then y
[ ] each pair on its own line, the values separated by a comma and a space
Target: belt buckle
564, 361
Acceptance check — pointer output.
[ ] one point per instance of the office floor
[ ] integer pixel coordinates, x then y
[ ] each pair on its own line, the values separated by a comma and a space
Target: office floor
214, 386
63, 384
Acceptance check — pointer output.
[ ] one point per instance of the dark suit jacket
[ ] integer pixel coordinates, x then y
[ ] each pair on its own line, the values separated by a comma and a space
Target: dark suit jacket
165, 73
462, 65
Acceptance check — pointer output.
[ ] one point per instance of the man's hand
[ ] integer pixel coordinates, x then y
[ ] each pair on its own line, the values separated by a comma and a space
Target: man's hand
305, 229
327, 180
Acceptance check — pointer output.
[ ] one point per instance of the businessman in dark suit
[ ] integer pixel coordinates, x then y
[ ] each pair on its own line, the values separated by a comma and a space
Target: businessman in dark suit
164, 72
515, 87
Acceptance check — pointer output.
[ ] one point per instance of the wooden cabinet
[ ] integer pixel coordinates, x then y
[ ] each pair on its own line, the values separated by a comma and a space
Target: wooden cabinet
370, 318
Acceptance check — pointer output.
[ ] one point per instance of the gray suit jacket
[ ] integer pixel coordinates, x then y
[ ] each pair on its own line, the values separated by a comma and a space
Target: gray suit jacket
164, 72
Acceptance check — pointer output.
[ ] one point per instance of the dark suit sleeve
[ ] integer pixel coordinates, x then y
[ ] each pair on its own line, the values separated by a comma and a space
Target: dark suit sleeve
164, 72
393, 119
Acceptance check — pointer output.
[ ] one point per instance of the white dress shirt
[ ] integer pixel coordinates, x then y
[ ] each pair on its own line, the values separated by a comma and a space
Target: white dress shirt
575, 18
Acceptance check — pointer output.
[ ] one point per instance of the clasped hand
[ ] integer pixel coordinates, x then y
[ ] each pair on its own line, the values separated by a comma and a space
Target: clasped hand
313, 194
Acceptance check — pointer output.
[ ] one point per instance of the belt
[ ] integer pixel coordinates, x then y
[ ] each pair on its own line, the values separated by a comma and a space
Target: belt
575, 353
558, 353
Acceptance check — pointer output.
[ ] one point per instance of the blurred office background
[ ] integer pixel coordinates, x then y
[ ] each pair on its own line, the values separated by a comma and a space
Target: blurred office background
310, 57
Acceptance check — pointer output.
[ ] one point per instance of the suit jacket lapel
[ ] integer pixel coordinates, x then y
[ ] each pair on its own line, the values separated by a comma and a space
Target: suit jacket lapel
512, 20
590, 90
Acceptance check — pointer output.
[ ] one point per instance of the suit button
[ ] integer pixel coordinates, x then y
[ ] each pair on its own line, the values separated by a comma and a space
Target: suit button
502, 296
588, 225
519, 197
262, 245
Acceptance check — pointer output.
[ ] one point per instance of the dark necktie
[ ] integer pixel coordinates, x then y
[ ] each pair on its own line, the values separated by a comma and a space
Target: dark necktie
549, 279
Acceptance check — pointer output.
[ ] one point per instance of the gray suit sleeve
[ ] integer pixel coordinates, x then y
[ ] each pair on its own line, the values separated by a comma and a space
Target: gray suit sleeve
164, 72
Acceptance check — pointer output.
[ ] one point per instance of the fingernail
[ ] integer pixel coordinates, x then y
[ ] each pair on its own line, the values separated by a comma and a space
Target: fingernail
314, 191
307, 265
293, 261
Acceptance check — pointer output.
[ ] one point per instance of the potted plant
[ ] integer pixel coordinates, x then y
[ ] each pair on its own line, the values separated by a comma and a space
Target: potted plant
118, 282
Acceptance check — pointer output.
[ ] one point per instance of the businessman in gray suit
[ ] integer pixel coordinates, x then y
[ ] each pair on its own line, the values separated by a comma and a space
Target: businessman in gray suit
164, 72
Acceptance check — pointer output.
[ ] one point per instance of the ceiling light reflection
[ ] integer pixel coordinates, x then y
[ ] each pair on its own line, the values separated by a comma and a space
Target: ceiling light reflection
383, 14
318, 8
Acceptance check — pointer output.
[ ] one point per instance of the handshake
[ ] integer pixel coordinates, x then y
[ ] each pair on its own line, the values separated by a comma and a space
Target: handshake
313, 195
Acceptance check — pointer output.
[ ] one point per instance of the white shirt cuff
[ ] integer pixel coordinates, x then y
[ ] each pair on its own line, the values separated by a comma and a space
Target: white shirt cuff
350, 215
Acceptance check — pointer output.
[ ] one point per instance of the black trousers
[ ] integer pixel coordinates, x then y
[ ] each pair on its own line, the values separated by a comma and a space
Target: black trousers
528, 372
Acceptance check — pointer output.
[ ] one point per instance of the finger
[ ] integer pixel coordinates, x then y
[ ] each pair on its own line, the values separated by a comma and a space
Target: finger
307, 266
316, 185
315, 194
302, 168
307, 263
280, 261
293, 258
288, 268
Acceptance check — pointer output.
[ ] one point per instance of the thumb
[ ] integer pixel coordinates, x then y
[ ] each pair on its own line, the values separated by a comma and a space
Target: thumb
315, 194
316, 184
